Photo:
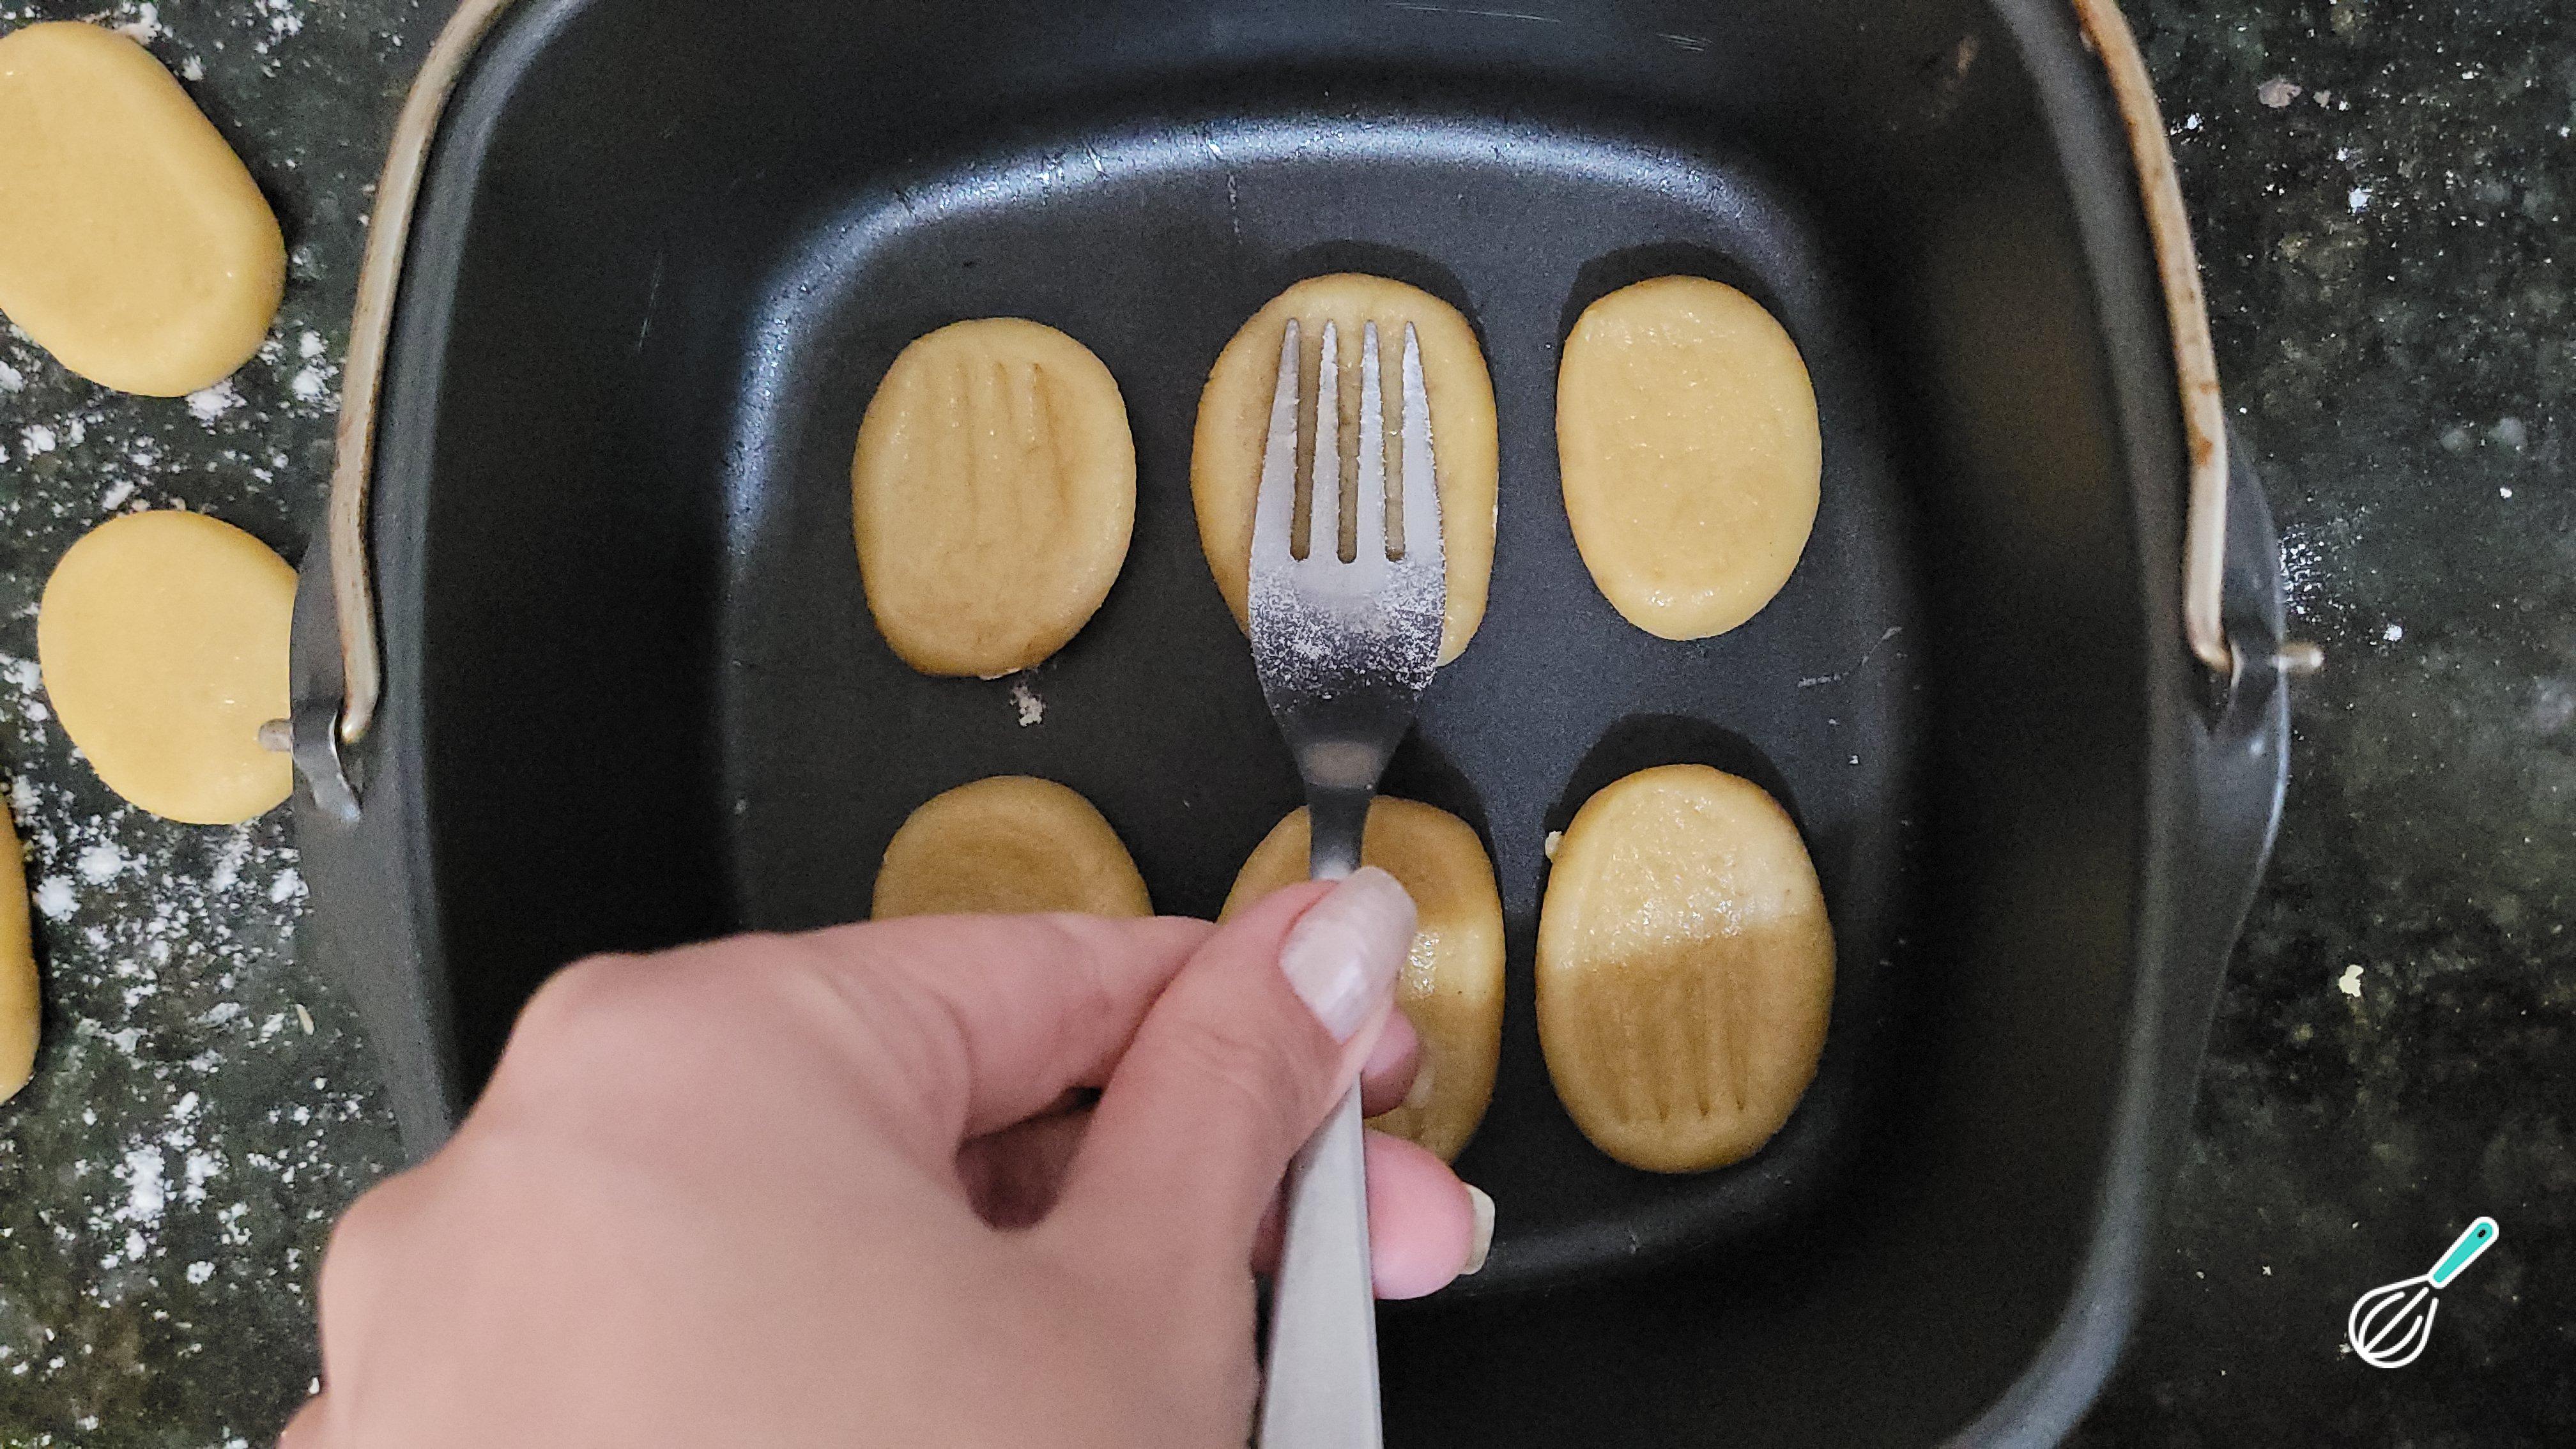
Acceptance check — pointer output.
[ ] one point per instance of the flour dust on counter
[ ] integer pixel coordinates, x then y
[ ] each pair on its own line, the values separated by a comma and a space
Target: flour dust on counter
171, 1173
202, 1107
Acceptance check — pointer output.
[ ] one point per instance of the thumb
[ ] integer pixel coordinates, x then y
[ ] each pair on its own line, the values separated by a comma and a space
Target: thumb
1234, 1067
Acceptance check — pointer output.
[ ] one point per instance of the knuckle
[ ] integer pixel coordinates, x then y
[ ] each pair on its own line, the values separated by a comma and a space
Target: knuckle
604, 1017
575, 1001
368, 1235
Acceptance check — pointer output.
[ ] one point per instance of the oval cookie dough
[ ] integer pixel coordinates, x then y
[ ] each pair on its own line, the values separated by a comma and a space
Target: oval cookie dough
1452, 990
1234, 426
1686, 437
133, 246
1685, 969
1011, 844
21, 1006
162, 639
992, 493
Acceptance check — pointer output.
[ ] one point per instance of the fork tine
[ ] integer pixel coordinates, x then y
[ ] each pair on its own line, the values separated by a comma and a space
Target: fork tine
1324, 511
1274, 507
1422, 543
1370, 501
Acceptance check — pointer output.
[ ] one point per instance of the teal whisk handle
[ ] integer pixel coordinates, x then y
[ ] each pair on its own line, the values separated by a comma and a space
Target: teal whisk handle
2476, 1239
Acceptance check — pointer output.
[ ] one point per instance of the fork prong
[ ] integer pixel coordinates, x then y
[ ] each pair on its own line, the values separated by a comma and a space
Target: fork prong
1369, 500
1324, 485
1421, 490
1274, 507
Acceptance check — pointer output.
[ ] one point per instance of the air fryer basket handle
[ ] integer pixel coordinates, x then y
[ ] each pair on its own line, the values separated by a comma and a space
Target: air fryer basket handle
2243, 752
2240, 760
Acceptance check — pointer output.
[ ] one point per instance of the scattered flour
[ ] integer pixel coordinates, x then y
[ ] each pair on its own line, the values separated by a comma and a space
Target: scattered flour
37, 438
145, 27
27, 681
201, 1168
228, 861
101, 863
145, 1193
210, 403
2303, 568
1032, 709
2350, 982
54, 898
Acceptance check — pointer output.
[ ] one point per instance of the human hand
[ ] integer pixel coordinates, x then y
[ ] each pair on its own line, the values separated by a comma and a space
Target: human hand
840, 1189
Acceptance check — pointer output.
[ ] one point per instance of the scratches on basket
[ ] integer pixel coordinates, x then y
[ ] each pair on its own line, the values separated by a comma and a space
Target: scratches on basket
1858, 665
1471, 12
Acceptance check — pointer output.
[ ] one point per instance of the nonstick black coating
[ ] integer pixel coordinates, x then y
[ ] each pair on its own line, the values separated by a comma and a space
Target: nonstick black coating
1182, 228
665, 250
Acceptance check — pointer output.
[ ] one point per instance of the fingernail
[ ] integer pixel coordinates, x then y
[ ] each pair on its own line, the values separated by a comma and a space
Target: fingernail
1483, 1242
1344, 954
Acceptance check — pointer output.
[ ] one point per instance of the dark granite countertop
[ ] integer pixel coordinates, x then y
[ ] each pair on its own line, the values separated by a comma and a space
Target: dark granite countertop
2381, 188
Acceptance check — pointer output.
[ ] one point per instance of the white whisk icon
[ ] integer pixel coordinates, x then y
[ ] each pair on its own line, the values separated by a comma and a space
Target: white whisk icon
2391, 1323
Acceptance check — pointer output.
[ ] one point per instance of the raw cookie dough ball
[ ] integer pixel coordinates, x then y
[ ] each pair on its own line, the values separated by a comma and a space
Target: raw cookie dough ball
1685, 969
1009, 844
21, 1007
1686, 436
163, 641
1452, 989
133, 246
1234, 426
992, 493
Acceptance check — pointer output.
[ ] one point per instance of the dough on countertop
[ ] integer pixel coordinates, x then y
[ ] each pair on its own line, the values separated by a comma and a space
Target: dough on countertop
134, 247
162, 638
22, 1006
1687, 441
1452, 989
992, 494
1685, 969
1011, 844
1234, 426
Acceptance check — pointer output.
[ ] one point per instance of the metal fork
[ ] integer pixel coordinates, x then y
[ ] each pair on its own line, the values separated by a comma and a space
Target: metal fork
1344, 648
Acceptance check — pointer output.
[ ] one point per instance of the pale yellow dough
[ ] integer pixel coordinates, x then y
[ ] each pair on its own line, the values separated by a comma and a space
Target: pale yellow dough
992, 493
1686, 436
1685, 969
1452, 989
21, 1006
133, 245
1234, 426
1008, 844
162, 638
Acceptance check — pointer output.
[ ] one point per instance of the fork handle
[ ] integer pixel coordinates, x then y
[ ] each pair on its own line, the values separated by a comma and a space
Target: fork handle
1320, 1384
